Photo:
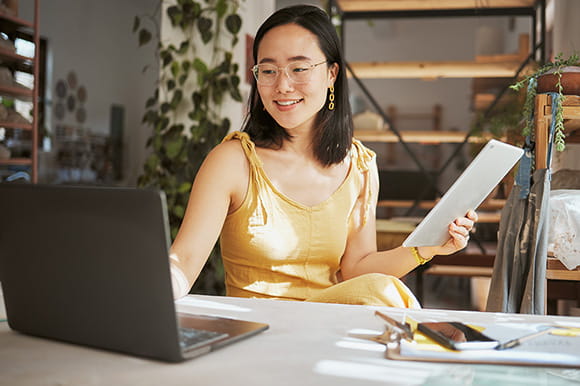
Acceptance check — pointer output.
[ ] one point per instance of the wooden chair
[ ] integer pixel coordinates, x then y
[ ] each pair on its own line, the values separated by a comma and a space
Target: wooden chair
561, 283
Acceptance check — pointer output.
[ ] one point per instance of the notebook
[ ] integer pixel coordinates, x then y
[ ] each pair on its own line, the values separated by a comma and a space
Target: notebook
90, 266
486, 170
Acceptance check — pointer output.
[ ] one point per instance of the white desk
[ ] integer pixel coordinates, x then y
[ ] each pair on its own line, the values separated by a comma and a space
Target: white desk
307, 344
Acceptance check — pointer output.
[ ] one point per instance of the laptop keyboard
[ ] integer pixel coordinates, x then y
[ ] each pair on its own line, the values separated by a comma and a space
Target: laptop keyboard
190, 338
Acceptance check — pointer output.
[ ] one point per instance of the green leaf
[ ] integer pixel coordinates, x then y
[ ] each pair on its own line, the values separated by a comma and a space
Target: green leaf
136, 23
177, 97
150, 102
196, 98
152, 162
204, 24
144, 37
185, 65
206, 36
165, 107
175, 68
150, 116
236, 95
225, 124
233, 23
184, 187
157, 144
183, 47
170, 84
166, 57
175, 15
179, 211
199, 66
221, 8
235, 80
182, 79
173, 147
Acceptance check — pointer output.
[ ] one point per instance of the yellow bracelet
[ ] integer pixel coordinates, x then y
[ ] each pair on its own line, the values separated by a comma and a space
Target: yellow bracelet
420, 259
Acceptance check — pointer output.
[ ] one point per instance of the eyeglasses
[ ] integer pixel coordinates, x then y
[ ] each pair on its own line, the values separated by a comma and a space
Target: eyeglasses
266, 74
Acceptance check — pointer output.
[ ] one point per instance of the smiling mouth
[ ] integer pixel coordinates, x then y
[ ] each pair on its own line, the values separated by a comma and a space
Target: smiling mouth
288, 103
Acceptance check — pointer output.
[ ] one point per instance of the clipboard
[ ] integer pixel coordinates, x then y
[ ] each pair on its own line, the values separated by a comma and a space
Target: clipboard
548, 350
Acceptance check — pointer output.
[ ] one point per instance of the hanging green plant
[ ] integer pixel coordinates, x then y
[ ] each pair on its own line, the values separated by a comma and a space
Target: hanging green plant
184, 111
530, 83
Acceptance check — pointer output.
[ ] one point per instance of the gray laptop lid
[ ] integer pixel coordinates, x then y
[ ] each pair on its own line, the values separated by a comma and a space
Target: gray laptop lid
90, 266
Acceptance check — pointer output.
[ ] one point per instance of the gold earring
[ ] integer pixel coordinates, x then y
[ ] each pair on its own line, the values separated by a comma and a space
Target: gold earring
331, 98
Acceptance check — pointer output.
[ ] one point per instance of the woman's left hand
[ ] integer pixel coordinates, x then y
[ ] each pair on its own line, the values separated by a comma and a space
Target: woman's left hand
459, 232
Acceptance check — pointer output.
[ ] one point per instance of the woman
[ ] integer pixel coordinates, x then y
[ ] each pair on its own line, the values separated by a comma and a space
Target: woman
293, 196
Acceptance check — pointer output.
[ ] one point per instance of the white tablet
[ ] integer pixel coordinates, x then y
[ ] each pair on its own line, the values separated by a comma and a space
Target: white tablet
486, 170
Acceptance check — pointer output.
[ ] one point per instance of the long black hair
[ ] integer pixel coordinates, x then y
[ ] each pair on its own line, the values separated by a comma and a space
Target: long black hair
333, 128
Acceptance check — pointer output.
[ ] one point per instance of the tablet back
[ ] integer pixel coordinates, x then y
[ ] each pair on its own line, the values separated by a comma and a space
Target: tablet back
488, 168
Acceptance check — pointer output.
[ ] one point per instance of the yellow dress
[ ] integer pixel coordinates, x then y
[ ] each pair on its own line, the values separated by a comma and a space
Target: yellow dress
275, 247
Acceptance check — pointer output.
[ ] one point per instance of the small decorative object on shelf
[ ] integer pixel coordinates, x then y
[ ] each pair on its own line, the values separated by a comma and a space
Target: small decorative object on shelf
4, 151
561, 76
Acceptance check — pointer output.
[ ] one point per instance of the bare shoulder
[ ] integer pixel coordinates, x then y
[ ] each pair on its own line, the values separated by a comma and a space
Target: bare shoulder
228, 156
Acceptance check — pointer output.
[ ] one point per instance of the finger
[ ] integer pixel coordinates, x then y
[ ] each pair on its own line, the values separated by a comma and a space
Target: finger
465, 222
460, 229
460, 239
472, 215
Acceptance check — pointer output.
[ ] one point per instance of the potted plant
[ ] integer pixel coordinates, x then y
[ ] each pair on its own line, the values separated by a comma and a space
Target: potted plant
184, 111
561, 76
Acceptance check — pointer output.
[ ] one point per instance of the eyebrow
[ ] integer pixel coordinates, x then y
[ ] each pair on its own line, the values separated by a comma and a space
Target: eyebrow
291, 59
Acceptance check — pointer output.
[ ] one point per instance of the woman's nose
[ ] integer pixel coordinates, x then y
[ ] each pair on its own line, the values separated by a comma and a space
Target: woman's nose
284, 83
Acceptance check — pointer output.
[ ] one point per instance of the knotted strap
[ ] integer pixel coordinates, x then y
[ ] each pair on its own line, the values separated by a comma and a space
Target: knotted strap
363, 157
247, 145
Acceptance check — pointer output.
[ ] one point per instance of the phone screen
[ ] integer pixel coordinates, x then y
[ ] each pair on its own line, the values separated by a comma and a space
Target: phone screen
457, 336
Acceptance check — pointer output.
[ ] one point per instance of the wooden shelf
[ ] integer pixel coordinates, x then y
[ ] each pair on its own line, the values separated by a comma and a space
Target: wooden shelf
16, 91
558, 271
13, 125
19, 62
16, 161
434, 70
419, 136
428, 5
489, 205
15, 22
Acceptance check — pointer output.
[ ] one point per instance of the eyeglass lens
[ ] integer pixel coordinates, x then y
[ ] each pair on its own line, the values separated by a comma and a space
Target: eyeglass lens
298, 72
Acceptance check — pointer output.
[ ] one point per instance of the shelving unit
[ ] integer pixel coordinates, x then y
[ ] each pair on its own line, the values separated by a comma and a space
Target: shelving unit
487, 72
12, 26
507, 66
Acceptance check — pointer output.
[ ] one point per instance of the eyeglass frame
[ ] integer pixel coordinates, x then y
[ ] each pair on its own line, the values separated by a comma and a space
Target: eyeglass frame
255, 67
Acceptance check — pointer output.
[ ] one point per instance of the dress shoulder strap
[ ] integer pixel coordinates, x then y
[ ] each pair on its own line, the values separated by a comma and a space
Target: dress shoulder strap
363, 155
247, 145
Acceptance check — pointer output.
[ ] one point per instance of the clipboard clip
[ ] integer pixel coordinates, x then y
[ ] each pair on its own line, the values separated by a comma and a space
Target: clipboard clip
403, 329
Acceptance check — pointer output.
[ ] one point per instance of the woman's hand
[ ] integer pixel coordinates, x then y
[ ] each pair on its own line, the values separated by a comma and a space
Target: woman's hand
459, 232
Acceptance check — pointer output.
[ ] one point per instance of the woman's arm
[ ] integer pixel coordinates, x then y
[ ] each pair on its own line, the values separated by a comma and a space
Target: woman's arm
218, 188
361, 254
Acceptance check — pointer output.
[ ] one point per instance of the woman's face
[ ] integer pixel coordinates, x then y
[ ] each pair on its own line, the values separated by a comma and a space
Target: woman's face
294, 105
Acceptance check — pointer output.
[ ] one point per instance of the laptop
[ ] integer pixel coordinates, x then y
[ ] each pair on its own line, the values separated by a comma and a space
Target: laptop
486, 170
90, 266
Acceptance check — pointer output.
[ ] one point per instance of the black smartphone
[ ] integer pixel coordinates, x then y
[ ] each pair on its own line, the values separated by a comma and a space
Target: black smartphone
457, 336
